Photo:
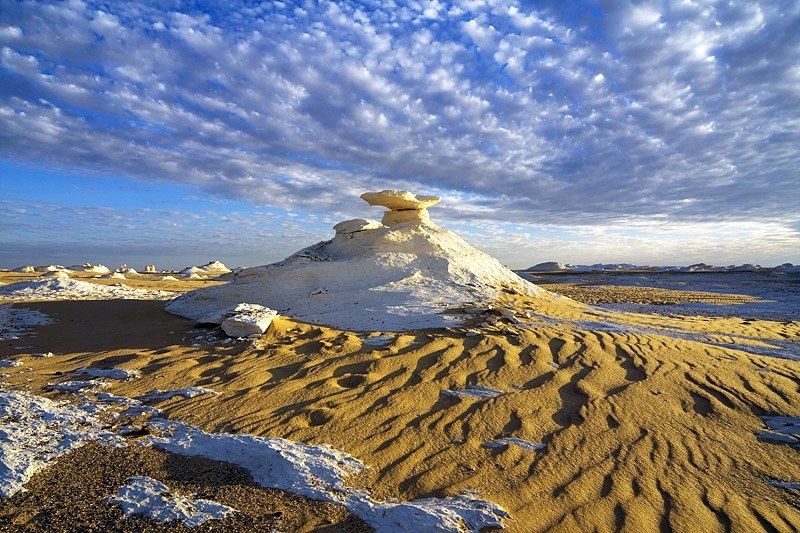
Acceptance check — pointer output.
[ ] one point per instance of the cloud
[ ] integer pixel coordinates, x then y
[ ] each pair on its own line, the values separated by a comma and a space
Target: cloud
621, 111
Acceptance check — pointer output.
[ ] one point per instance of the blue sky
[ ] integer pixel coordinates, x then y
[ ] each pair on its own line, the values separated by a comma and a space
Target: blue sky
174, 132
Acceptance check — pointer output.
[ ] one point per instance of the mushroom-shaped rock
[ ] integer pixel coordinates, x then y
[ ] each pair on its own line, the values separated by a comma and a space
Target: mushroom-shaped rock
400, 200
369, 277
405, 207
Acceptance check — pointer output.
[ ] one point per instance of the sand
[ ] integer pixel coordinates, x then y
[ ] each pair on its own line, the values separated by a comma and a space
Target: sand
634, 422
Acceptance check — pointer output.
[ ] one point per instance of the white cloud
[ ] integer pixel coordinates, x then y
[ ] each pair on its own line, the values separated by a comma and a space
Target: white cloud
643, 15
536, 114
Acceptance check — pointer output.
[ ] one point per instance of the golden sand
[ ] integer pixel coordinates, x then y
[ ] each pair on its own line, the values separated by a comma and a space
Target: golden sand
648, 425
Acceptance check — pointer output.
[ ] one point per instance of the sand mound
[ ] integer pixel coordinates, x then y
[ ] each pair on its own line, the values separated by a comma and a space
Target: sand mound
405, 273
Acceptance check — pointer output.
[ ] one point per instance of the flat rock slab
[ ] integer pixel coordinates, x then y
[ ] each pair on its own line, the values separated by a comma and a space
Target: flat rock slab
400, 200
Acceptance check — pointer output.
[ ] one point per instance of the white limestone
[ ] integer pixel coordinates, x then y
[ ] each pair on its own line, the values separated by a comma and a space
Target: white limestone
248, 319
369, 277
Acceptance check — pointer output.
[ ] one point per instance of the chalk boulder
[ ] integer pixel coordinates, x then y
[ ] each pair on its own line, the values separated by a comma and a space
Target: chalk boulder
248, 319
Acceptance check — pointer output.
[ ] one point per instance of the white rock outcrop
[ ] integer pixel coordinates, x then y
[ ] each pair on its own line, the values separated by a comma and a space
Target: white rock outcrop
404, 273
209, 270
242, 320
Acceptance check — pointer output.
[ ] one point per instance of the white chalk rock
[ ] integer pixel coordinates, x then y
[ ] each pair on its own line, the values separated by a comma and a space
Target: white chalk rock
406, 208
56, 274
400, 200
215, 266
355, 225
150, 269
95, 269
389, 278
248, 319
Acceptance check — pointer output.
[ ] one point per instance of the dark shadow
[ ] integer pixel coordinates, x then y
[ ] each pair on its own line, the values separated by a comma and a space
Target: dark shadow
106, 325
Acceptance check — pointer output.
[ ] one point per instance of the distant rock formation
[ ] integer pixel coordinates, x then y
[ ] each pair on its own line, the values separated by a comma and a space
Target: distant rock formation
209, 270
549, 266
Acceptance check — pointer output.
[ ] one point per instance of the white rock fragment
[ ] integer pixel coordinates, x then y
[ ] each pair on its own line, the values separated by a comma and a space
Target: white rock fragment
120, 374
789, 425
10, 363
514, 441
189, 392
508, 314
36, 431
475, 391
781, 430
17, 321
378, 340
786, 485
75, 386
149, 497
318, 472
248, 319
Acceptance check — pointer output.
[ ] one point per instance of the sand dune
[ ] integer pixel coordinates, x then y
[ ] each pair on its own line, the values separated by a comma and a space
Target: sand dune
641, 431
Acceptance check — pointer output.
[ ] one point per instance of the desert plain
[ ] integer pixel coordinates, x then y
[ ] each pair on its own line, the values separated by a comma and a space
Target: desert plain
575, 419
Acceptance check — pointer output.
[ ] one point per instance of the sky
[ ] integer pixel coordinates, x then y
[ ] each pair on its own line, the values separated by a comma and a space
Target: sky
175, 132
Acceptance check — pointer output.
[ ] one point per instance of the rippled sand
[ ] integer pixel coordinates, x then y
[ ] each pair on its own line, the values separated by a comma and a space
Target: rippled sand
636, 422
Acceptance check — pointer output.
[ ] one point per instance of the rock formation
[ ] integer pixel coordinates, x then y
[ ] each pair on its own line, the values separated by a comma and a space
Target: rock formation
404, 207
402, 273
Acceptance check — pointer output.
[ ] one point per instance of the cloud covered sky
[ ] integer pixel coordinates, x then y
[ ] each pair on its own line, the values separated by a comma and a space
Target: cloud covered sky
610, 131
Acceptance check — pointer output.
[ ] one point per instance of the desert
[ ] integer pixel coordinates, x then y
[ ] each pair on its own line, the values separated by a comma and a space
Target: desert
125, 407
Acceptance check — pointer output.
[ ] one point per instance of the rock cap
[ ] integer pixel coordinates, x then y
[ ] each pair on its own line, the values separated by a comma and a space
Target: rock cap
400, 200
